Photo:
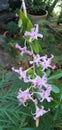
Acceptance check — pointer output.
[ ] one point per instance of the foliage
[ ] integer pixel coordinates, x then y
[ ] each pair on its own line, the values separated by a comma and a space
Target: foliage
56, 104
36, 4
10, 112
60, 16
12, 28
12, 116
52, 6
27, 25
15, 117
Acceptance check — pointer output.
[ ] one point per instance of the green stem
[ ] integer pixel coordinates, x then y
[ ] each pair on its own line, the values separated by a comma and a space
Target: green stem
33, 63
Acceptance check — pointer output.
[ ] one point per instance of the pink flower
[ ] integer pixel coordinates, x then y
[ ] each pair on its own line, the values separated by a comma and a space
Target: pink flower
23, 96
46, 62
40, 82
36, 60
22, 74
45, 94
40, 112
37, 81
34, 33
24, 50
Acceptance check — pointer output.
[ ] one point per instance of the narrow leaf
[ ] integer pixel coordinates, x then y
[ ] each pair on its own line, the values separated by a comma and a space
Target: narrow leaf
55, 89
56, 76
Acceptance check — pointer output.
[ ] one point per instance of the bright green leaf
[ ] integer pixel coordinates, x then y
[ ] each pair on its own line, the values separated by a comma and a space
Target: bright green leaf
25, 21
36, 47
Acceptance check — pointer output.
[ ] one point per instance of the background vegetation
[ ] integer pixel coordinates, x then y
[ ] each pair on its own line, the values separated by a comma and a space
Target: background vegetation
12, 116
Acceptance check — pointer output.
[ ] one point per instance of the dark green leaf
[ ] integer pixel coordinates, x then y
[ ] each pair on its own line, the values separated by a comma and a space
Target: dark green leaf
57, 75
55, 89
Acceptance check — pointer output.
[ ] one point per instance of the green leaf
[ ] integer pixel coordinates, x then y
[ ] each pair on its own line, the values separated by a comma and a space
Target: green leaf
55, 89
30, 71
36, 47
25, 21
20, 23
57, 75
27, 25
38, 71
48, 72
28, 129
16, 128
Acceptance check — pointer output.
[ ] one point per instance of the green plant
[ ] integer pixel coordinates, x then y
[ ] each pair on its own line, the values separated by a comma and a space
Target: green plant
36, 5
31, 74
10, 116
16, 117
52, 6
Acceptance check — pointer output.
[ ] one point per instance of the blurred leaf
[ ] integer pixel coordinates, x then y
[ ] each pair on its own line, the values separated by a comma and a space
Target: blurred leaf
36, 47
16, 128
57, 75
48, 72
25, 21
55, 89
27, 25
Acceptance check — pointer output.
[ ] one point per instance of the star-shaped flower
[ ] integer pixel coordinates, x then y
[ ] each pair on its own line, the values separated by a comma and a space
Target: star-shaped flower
40, 81
36, 60
40, 112
45, 94
24, 50
34, 33
46, 62
23, 96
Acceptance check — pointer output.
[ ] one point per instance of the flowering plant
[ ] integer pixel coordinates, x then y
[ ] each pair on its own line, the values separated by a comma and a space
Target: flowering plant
40, 88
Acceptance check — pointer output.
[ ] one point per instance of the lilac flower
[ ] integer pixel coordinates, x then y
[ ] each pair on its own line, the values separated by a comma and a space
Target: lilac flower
39, 89
22, 74
34, 33
24, 50
36, 60
40, 82
23, 96
46, 62
40, 112
45, 94
17, 70
37, 81
18, 47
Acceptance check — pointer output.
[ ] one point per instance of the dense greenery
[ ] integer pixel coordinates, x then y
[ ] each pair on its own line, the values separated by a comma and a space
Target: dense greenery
12, 115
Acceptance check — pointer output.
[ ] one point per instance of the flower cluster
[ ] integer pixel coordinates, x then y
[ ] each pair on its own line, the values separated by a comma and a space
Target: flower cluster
38, 84
44, 61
